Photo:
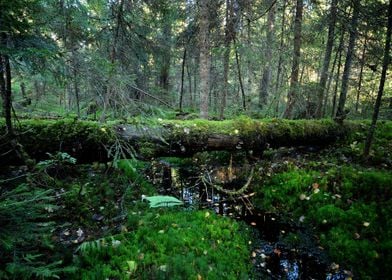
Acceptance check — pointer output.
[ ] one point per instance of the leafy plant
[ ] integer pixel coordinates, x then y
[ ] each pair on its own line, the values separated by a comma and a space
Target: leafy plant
57, 159
24, 224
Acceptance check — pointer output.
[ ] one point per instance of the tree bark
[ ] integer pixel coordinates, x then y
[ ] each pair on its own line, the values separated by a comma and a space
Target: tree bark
188, 71
327, 58
226, 57
335, 91
75, 82
5, 86
293, 91
205, 59
112, 57
166, 56
280, 60
269, 43
237, 58
340, 114
385, 64
360, 75
330, 78
182, 78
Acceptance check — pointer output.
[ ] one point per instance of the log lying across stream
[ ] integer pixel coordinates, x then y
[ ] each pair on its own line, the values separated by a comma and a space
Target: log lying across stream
90, 141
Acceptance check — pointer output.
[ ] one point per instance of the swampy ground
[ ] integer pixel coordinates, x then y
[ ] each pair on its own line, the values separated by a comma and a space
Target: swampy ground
309, 212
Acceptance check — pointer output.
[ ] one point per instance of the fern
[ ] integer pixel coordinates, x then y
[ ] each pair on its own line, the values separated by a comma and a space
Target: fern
20, 210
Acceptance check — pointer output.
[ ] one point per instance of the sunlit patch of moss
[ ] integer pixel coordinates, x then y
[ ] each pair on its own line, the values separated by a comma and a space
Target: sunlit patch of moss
170, 245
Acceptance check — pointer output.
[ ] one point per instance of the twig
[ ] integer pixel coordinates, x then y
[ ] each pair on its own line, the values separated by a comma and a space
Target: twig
152, 96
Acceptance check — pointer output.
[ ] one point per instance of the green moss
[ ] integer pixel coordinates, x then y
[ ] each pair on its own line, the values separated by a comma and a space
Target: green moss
349, 208
81, 139
170, 245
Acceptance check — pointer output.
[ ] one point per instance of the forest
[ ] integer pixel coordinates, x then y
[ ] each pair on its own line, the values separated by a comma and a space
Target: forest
195, 139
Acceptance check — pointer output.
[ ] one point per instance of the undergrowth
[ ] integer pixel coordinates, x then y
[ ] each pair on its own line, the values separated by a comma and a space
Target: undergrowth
169, 244
350, 209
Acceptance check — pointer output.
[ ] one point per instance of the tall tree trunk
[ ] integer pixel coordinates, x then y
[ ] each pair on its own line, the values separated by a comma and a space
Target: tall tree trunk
293, 91
226, 57
385, 64
237, 58
335, 91
6, 94
75, 82
360, 75
327, 58
281, 45
182, 78
112, 58
166, 56
269, 43
340, 114
205, 59
330, 78
23, 89
5, 86
188, 71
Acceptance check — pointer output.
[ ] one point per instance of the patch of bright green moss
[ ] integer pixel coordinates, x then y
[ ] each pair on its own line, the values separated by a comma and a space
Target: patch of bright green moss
350, 209
170, 245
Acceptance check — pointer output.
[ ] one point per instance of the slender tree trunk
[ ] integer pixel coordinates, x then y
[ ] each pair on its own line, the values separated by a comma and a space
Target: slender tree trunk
205, 59
385, 64
189, 84
182, 78
237, 58
335, 91
6, 94
360, 75
327, 58
166, 56
269, 43
226, 57
292, 94
112, 57
340, 114
5, 86
330, 78
281, 45
23, 89
75, 82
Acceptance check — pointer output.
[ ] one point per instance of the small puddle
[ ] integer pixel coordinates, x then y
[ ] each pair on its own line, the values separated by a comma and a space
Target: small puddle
282, 249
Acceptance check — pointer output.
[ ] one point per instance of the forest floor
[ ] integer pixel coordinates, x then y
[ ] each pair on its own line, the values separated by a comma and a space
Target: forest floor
295, 213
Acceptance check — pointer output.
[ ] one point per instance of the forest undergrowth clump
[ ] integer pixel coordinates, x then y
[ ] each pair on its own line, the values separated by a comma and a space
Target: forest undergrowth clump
348, 207
88, 222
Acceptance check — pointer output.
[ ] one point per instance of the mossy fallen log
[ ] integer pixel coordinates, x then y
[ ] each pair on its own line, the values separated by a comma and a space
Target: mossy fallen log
90, 141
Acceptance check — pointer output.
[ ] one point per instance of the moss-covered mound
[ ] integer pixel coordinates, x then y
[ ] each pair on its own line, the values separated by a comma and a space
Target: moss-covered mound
349, 208
84, 140
169, 244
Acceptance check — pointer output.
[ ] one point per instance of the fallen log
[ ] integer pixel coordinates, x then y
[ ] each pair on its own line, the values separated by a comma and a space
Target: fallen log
89, 141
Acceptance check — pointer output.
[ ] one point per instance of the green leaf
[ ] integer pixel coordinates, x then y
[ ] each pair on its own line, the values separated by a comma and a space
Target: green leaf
162, 201
132, 266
